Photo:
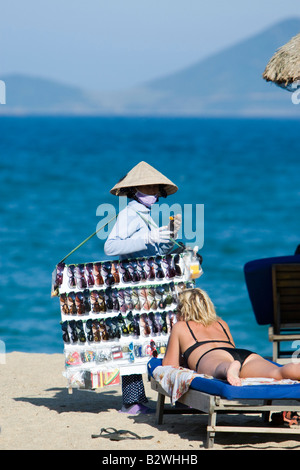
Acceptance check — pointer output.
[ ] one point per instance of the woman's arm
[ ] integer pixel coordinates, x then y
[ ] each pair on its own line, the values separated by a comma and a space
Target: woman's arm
172, 356
127, 235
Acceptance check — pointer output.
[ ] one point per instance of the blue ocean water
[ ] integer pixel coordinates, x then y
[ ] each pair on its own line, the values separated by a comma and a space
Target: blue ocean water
54, 173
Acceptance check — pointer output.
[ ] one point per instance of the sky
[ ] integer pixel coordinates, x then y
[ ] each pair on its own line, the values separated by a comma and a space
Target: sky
113, 45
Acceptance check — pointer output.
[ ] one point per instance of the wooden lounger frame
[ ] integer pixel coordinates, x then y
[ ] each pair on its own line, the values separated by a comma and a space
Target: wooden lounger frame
286, 308
212, 405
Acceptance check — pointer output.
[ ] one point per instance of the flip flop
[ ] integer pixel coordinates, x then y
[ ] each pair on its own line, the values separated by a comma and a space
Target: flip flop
286, 418
121, 434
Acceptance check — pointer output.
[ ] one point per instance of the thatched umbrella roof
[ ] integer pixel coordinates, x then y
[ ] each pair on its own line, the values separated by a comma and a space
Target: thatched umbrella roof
284, 67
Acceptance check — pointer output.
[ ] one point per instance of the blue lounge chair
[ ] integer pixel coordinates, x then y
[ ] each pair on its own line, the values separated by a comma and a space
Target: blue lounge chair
274, 290
213, 396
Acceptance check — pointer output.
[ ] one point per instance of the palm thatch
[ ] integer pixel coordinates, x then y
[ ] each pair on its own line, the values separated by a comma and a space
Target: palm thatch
284, 67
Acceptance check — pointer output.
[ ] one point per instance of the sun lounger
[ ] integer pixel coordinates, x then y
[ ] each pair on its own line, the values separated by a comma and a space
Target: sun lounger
213, 397
274, 290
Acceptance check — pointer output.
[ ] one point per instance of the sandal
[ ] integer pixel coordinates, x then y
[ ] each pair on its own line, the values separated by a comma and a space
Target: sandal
286, 418
114, 435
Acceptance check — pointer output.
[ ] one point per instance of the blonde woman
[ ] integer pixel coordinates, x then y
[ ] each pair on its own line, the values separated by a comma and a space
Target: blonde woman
204, 343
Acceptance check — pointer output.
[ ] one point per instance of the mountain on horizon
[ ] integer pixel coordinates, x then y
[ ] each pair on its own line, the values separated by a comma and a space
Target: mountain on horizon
228, 83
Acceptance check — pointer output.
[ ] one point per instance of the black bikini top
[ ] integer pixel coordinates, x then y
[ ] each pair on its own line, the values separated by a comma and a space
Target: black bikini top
197, 344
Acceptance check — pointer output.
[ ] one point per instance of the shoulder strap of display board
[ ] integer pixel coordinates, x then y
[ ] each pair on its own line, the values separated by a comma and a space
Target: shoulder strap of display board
88, 238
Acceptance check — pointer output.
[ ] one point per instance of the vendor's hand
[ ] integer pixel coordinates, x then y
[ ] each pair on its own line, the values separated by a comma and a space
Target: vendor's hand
159, 235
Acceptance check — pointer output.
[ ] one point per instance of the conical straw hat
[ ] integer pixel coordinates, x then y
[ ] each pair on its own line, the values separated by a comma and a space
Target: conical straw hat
284, 67
140, 175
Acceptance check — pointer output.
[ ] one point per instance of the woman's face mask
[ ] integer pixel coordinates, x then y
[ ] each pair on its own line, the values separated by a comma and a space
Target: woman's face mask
146, 199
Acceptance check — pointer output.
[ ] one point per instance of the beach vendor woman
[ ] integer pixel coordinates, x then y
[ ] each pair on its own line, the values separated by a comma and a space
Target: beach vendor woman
135, 235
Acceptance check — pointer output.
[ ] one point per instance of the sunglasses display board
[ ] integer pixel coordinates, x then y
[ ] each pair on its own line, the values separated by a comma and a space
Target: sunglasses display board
116, 315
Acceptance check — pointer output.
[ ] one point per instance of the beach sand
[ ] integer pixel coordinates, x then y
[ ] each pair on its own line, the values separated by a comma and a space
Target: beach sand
38, 413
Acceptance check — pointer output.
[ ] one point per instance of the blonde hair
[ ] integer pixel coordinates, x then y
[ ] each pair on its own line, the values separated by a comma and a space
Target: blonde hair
195, 304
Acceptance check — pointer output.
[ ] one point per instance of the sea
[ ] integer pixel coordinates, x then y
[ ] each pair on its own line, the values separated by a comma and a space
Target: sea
55, 172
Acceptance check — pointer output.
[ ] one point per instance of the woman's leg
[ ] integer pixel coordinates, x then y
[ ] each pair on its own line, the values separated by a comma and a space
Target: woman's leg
257, 366
221, 365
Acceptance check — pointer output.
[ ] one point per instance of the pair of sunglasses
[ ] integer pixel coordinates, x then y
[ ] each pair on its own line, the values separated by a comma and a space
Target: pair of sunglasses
80, 304
169, 269
141, 269
79, 276
59, 274
125, 271
97, 275
177, 265
97, 301
112, 328
73, 331
71, 276
159, 272
108, 275
150, 268
89, 268
154, 352
64, 308
144, 323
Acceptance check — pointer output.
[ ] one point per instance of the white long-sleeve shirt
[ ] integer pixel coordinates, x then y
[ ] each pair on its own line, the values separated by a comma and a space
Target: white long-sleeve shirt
129, 236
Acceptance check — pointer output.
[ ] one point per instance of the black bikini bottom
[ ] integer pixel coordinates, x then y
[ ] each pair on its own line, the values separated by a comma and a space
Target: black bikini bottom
237, 354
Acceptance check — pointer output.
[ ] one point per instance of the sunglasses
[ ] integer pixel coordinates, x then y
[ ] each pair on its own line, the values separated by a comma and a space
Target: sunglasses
89, 330
152, 299
163, 319
96, 331
71, 276
141, 268
95, 305
73, 331
144, 323
125, 271
112, 328
59, 274
154, 326
168, 265
87, 300
72, 303
115, 271
79, 276
64, 304
122, 325
135, 299
89, 274
128, 298
133, 269
136, 325
108, 299
122, 302
130, 323
115, 300
80, 331
176, 265
108, 276
144, 299
103, 330
66, 336
97, 274
153, 349
159, 272
79, 302
171, 320
150, 268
